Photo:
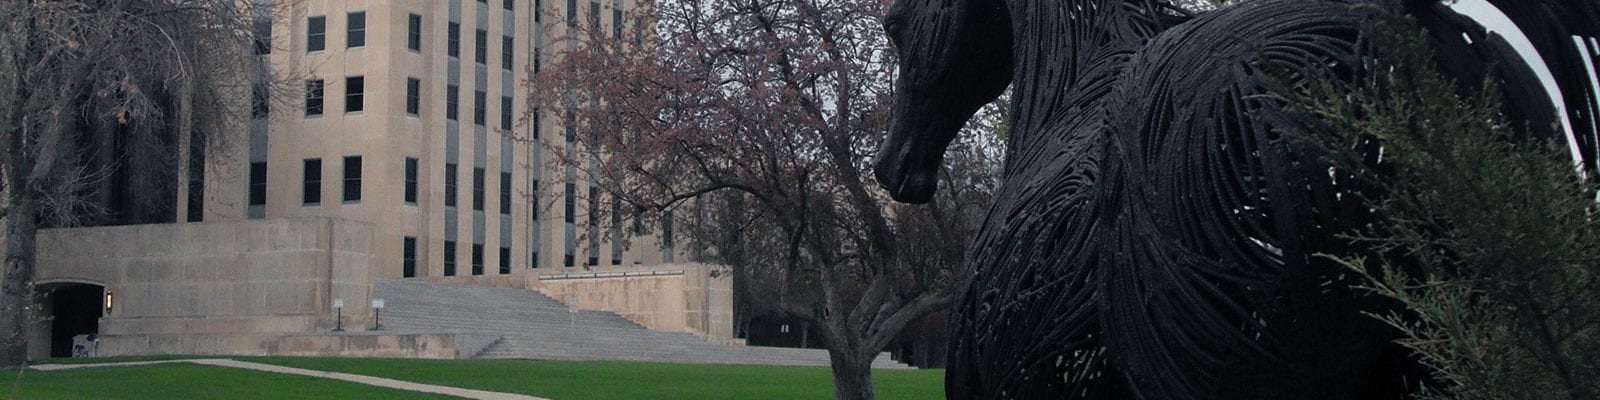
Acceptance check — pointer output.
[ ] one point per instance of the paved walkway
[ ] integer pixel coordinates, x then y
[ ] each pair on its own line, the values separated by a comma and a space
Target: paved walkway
362, 379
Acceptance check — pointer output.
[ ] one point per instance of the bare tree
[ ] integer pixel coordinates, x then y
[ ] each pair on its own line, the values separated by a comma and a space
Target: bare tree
89, 88
762, 115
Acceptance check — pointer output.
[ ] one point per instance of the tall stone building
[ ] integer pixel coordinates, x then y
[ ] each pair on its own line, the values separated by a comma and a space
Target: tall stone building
402, 149
411, 117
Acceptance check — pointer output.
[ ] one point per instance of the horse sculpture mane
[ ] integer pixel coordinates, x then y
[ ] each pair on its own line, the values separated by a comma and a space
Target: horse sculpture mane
1153, 234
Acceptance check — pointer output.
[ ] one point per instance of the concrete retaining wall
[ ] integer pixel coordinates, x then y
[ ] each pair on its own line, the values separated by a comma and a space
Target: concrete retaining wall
695, 298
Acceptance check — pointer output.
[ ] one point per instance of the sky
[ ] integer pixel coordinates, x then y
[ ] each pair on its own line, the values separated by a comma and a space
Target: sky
1491, 18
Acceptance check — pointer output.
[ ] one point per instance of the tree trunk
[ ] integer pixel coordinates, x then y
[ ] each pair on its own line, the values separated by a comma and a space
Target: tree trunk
16, 286
852, 373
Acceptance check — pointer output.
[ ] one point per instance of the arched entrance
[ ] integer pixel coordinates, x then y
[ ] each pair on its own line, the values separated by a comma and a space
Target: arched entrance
75, 309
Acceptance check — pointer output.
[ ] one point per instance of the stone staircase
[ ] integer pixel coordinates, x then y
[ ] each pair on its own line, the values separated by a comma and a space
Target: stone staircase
532, 326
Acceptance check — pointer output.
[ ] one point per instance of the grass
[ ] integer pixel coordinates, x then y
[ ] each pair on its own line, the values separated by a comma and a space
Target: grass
559, 380
583, 380
183, 381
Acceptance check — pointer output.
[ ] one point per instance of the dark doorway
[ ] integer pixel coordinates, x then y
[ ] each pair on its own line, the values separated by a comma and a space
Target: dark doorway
74, 310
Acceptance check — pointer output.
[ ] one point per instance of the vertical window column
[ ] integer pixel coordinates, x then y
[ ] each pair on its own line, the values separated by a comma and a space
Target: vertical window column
408, 258
258, 183
505, 193
452, 104
450, 184
355, 29
352, 179
414, 32
449, 258
413, 96
312, 189
477, 189
314, 97
354, 93
453, 46
477, 259
505, 260
411, 181
316, 33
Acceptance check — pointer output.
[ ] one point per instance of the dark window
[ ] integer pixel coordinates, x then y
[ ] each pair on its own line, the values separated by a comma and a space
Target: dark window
566, 260
505, 52
593, 260
258, 183
616, 23
533, 259
538, 15
450, 184
453, 48
535, 122
477, 189
481, 48
594, 18
354, 86
534, 189
408, 258
568, 131
413, 96
572, 203
536, 59
449, 258
352, 179
260, 102
508, 4
316, 33
262, 27
313, 97
477, 259
505, 193
411, 180
505, 260
312, 190
505, 112
452, 105
480, 111
356, 29
572, 13
197, 181
414, 32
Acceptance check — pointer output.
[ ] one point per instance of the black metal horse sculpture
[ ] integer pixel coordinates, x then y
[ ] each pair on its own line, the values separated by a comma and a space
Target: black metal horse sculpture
1152, 236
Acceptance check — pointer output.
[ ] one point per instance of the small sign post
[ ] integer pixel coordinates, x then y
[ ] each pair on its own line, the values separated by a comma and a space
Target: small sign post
338, 319
572, 311
377, 322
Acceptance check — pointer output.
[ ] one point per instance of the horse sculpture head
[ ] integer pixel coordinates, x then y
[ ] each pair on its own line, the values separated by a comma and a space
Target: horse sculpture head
955, 56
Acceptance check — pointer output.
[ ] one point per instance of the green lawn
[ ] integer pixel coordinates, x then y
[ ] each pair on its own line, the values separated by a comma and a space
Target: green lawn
559, 380
184, 381
583, 380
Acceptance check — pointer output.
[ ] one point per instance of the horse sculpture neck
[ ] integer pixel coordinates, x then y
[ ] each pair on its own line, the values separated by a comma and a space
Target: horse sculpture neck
1058, 45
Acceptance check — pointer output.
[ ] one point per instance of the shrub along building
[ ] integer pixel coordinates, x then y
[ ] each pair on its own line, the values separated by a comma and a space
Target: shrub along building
400, 152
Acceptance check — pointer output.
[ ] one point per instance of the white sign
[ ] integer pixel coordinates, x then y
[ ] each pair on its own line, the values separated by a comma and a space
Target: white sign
377, 303
338, 303
572, 304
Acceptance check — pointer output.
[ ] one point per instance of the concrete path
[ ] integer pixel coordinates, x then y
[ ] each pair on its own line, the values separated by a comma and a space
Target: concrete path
362, 379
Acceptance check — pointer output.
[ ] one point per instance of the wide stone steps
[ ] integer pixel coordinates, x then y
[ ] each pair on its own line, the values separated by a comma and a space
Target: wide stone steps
533, 326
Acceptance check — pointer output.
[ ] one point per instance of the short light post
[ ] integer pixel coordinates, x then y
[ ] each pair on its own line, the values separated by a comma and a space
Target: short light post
377, 322
338, 319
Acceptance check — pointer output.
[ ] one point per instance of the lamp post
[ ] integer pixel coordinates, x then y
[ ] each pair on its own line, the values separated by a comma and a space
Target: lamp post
338, 319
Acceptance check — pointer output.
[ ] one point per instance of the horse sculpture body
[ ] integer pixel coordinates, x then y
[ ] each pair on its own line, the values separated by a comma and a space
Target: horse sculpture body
1153, 234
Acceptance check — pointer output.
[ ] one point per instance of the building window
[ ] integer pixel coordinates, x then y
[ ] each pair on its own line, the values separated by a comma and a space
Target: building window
352, 179
505, 112
354, 86
316, 33
477, 259
449, 258
505, 193
450, 184
571, 203
508, 4
535, 122
538, 11
260, 102
477, 189
533, 259
533, 188
452, 106
481, 48
616, 20
411, 180
453, 48
480, 112
414, 32
566, 260
666, 238
505, 52
408, 258
355, 29
258, 183
594, 18
262, 28
536, 59
505, 260
312, 190
413, 96
313, 97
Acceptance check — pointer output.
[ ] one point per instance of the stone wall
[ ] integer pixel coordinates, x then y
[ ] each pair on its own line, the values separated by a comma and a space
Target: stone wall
356, 344
245, 277
695, 298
